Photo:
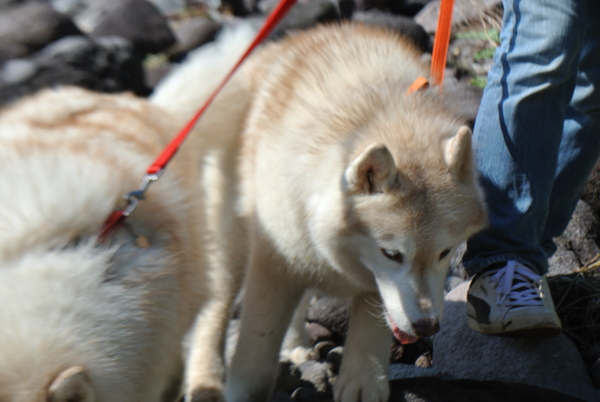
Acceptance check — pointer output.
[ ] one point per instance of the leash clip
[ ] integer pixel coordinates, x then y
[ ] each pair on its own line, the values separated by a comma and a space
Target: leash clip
134, 197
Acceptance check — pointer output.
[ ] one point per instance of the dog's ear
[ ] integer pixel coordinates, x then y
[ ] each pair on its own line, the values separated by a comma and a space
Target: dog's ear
372, 171
459, 155
71, 385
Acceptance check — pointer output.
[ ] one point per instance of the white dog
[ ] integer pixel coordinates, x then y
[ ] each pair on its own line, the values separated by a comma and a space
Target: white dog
83, 321
322, 173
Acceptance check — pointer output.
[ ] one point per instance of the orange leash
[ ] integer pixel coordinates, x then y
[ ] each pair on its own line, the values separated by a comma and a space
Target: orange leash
440, 49
442, 41
419, 83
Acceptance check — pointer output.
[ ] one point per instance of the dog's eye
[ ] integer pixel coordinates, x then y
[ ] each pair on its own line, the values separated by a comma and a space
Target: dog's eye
444, 253
393, 255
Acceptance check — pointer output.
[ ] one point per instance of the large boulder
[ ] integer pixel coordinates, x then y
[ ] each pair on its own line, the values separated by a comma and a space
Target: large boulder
139, 21
432, 389
195, 32
552, 363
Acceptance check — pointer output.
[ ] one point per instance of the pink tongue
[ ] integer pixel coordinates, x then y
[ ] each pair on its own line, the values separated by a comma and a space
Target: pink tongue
402, 337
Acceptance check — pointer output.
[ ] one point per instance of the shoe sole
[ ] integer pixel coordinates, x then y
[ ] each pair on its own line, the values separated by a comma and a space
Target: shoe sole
540, 331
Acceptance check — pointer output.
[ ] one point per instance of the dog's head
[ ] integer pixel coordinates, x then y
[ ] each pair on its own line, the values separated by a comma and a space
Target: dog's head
411, 212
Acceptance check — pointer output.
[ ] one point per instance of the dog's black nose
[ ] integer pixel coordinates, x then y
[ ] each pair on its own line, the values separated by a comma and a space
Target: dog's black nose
426, 327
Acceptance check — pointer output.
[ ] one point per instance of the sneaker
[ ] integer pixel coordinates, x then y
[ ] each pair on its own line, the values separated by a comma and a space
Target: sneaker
512, 300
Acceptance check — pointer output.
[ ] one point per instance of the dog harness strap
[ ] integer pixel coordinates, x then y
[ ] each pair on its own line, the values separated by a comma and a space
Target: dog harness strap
419, 83
440, 49
117, 218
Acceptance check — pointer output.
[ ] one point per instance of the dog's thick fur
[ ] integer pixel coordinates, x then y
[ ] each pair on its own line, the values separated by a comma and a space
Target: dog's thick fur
321, 173
82, 321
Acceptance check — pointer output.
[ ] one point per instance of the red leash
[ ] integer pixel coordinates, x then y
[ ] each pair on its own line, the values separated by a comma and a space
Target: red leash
154, 171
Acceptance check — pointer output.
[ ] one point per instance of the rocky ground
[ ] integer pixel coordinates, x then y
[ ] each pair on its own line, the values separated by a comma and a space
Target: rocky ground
129, 45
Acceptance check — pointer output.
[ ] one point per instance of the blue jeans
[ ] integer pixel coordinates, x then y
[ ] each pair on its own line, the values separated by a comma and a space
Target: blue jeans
537, 132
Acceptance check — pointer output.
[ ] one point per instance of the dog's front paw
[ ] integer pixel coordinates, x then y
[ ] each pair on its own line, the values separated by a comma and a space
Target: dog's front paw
361, 384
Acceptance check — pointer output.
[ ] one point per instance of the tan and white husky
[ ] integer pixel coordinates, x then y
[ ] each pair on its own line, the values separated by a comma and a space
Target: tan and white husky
82, 321
322, 173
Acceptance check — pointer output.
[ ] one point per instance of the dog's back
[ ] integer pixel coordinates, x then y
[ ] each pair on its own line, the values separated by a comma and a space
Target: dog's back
82, 320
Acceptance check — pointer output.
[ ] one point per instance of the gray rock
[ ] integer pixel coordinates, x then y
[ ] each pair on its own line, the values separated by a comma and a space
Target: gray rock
8, 3
432, 389
400, 371
17, 70
139, 21
461, 353
316, 373
107, 65
591, 191
86, 13
332, 313
318, 333
305, 15
563, 262
582, 232
28, 27
195, 32
171, 6
69, 7
423, 361
463, 12
405, 26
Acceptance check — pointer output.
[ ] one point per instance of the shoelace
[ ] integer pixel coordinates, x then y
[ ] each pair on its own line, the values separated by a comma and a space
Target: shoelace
517, 285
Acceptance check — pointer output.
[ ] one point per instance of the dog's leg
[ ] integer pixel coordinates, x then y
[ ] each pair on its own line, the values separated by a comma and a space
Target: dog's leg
227, 257
295, 344
363, 374
270, 298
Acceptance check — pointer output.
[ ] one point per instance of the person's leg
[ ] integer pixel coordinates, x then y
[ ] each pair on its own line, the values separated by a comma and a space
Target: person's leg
518, 129
518, 137
580, 146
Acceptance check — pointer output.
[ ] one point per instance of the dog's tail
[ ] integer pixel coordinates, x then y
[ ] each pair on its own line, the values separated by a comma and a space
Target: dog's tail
186, 89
